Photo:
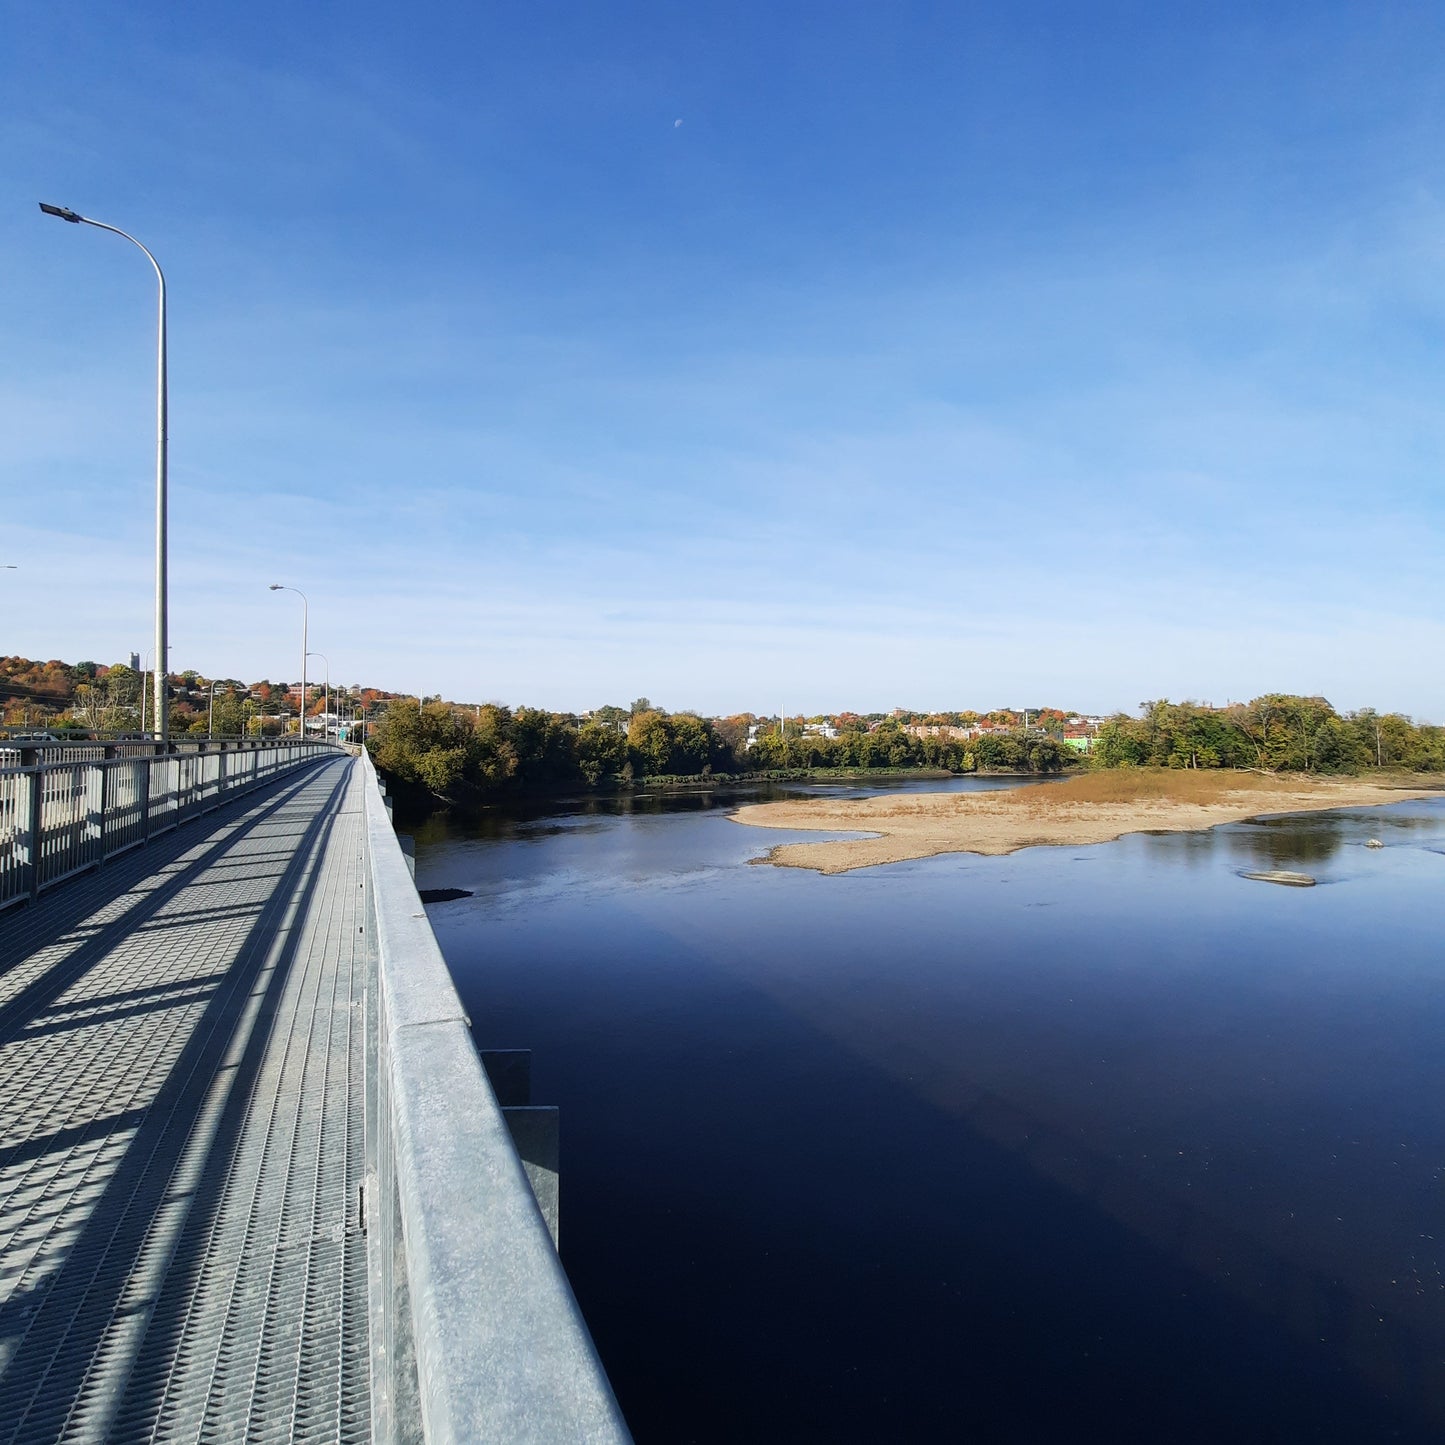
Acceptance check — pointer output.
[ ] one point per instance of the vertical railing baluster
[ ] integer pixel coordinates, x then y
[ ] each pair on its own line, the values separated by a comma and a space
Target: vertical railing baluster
36, 804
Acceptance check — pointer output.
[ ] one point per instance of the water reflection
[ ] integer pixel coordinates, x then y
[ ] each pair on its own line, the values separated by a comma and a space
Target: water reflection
513, 818
1171, 1140
1300, 838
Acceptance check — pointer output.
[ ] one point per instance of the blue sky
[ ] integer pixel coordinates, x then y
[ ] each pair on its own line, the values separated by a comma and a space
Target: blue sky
943, 355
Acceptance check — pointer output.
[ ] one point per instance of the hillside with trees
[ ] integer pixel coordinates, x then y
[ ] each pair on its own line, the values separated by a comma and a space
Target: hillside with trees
112, 700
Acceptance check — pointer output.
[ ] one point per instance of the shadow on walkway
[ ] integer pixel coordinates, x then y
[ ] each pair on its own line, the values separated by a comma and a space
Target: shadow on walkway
72, 1346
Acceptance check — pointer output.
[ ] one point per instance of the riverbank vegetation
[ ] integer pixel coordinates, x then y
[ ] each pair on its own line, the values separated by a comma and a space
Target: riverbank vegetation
460, 754
1145, 786
1276, 733
453, 751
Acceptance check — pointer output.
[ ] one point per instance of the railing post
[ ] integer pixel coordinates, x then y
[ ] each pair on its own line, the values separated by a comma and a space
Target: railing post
104, 804
108, 755
145, 800
37, 796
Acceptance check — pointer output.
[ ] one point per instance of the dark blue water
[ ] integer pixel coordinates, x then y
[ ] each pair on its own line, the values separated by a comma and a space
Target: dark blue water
1098, 1143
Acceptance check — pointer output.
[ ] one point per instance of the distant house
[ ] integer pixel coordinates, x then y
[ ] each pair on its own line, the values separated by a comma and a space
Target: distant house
810, 730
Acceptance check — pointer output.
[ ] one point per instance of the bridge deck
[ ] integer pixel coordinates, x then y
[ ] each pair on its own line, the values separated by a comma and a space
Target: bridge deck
181, 1134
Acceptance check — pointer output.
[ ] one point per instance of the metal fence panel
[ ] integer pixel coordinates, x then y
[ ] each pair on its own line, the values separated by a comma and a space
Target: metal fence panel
14, 823
127, 787
61, 813
67, 842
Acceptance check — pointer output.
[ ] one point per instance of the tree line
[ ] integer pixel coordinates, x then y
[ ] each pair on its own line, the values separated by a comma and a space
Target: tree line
455, 753
1279, 732
448, 750
888, 745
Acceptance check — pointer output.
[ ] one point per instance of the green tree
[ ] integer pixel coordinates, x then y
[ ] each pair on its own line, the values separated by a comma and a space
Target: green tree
692, 745
429, 747
649, 740
601, 753
545, 747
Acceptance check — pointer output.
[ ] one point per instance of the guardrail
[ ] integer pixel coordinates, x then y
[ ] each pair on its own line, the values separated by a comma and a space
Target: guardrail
475, 1332
61, 816
82, 746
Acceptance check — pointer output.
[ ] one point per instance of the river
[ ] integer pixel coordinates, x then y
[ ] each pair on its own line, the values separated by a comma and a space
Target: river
1077, 1144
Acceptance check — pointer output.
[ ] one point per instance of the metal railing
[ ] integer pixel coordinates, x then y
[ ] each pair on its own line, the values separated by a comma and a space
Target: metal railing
67, 807
475, 1332
83, 746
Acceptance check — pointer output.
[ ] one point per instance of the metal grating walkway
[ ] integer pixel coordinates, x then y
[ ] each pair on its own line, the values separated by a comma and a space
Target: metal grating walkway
181, 1134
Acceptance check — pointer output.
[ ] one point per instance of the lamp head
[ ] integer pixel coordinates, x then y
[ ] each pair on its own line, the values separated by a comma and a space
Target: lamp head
277, 587
64, 212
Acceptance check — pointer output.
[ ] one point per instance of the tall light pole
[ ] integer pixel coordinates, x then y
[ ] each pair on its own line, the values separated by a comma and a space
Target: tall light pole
281, 587
148, 657
326, 704
211, 709
162, 709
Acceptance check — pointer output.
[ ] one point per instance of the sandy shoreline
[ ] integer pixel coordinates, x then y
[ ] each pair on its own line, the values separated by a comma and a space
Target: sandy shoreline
920, 825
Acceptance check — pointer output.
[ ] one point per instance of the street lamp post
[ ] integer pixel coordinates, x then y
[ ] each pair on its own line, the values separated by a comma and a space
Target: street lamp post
326, 704
281, 587
211, 709
146, 660
162, 709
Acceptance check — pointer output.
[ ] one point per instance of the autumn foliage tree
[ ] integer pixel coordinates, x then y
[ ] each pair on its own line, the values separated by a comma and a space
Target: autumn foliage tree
1276, 732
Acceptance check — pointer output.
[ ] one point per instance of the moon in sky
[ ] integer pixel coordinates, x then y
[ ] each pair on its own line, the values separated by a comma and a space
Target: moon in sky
676, 123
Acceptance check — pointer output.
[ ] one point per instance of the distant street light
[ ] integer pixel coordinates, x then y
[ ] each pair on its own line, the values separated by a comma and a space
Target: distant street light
147, 658
162, 706
211, 707
281, 587
326, 704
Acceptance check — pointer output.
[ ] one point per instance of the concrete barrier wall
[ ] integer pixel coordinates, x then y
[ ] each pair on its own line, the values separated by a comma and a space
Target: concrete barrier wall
476, 1331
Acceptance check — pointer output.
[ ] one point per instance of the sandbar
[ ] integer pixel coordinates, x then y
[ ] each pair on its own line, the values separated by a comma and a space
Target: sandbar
1095, 808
